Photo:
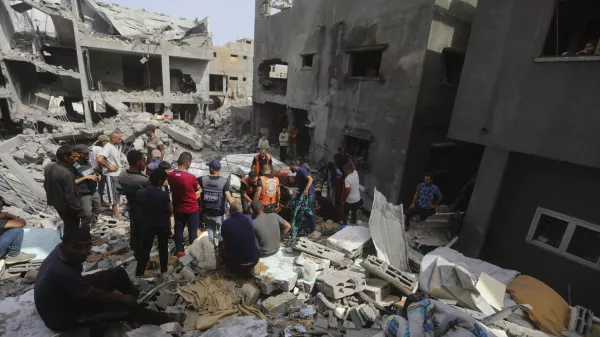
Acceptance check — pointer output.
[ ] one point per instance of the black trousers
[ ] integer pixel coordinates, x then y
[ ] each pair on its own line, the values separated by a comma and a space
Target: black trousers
423, 213
70, 220
147, 238
351, 208
283, 153
241, 270
95, 314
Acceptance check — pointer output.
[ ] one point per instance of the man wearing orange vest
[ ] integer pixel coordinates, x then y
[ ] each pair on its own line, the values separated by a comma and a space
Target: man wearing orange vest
248, 190
260, 160
267, 191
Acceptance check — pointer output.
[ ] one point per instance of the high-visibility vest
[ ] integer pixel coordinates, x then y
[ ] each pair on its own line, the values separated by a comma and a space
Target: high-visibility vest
257, 167
249, 189
269, 191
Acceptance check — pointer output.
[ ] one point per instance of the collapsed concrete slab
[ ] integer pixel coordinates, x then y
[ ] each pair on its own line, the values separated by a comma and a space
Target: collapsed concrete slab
278, 272
182, 137
408, 283
350, 240
278, 305
337, 284
337, 258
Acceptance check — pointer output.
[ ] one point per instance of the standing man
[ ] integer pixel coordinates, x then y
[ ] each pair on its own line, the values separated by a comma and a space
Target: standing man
11, 237
425, 200
239, 247
96, 151
152, 141
269, 229
61, 191
293, 136
86, 180
215, 191
304, 181
267, 191
353, 201
263, 143
131, 181
185, 191
248, 190
110, 160
283, 144
260, 160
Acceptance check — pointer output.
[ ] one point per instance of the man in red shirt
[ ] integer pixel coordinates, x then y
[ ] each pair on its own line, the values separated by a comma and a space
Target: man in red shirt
185, 190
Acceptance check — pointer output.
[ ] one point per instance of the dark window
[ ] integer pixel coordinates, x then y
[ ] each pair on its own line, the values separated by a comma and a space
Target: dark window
585, 244
307, 61
215, 54
245, 57
452, 63
215, 83
244, 79
365, 63
234, 58
248, 42
359, 150
550, 230
233, 78
574, 29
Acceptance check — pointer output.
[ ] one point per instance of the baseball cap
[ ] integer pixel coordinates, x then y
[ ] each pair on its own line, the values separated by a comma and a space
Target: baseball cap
103, 138
80, 148
215, 165
150, 127
4, 202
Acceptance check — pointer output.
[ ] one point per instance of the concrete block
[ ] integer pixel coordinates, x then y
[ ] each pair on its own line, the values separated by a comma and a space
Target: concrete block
321, 323
148, 331
408, 283
173, 328
180, 136
377, 289
333, 322
280, 273
187, 274
339, 312
337, 258
251, 293
322, 264
337, 284
357, 317
185, 260
369, 312
351, 240
278, 305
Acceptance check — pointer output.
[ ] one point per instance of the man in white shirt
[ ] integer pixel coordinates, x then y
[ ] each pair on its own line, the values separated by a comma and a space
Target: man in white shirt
284, 137
263, 143
110, 160
353, 201
96, 151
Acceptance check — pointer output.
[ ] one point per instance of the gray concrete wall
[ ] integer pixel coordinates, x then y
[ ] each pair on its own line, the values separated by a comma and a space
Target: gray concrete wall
108, 68
223, 65
197, 69
508, 100
531, 182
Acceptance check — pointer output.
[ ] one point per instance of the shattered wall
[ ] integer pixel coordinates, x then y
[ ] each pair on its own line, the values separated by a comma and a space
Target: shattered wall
197, 70
107, 68
384, 105
235, 61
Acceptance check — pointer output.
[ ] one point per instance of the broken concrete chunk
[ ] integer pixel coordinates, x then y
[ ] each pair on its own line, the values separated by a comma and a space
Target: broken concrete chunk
323, 303
148, 331
339, 312
307, 246
185, 260
377, 289
356, 317
251, 293
338, 284
173, 328
321, 323
333, 323
183, 137
406, 282
187, 274
322, 264
351, 240
278, 305
165, 299
348, 325
280, 273
369, 312
365, 333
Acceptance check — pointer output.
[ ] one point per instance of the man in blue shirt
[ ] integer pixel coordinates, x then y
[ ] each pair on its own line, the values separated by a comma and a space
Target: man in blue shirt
304, 181
425, 200
239, 247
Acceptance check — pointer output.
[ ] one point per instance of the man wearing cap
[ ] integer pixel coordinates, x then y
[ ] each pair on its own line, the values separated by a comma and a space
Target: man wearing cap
152, 142
11, 237
96, 150
215, 191
61, 191
86, 179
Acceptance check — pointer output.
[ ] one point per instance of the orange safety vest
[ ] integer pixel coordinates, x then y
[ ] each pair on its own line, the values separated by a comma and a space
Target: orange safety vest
257, 166
249, 189
269, 191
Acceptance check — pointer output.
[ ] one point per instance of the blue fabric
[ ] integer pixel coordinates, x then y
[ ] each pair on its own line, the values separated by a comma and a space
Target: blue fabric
302, 180
213, 223
153, 208
303, 216
154, 164
239, 240
10, 241
192, 220
426, 195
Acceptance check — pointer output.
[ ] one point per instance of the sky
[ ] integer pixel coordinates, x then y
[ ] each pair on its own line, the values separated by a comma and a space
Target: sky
229, 20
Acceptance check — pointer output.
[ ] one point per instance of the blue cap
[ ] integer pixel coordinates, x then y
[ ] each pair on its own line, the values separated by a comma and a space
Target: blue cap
215, 165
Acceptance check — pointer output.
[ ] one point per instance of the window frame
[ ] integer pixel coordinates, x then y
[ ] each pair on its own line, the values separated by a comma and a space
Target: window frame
302, 56
566, 239
350, 55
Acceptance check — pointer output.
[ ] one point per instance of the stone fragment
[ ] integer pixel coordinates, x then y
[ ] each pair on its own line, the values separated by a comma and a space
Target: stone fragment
377, 289
278, 305
251, 293
280, 273
339, 312
356, 316
321, 323
348, 325
369, 312
172, 328
333, 323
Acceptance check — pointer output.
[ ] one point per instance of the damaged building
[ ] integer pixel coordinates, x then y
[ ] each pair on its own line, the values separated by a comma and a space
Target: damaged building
231, 71
92, 60
528, 95
378, 81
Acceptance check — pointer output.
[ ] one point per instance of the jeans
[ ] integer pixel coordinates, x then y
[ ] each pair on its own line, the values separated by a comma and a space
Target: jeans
283, 153
192, 220
91, 207
213, 223
313, 220
10, 241
351, 208
147, 239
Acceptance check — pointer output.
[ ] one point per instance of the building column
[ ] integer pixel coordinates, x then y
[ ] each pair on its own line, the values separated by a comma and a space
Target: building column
85, 89
166, 80
483, 202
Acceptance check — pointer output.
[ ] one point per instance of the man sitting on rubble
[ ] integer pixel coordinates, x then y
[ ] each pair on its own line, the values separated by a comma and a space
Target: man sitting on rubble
268, 192
425, 200
239, 248
87, 184
131, 181
66, 300
215, 192
269, 229
260, 160
11, 237
61, 191
248, 189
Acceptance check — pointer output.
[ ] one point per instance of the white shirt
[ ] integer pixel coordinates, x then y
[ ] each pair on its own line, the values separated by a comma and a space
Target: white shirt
263, 144
354, 185
113, 157
96, 151
283, 139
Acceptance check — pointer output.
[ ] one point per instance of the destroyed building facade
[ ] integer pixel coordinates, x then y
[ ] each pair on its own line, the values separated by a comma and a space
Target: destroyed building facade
95, 60
377, 80
231, 71
529, 98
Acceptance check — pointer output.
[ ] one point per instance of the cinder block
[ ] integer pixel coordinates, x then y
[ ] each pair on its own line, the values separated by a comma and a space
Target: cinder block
278, 305
369, 312
322, 264
337, 284
356, 316
337, 258
251, 293
408, 283
377, 289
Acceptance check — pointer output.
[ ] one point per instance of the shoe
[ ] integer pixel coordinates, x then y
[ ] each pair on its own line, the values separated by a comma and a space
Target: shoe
180, 254
22, 257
